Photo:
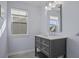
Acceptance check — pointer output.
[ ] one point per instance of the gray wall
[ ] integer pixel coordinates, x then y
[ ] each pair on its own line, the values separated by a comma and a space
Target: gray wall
24, 42
44, 21
70, 20
3, 38
70, 26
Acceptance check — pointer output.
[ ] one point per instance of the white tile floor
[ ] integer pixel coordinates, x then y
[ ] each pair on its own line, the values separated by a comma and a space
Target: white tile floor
26, 55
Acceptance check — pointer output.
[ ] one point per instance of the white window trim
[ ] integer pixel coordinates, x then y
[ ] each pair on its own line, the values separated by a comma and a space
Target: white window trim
11, 22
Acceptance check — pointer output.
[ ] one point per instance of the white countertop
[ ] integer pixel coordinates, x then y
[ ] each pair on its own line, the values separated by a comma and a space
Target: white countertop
52, 37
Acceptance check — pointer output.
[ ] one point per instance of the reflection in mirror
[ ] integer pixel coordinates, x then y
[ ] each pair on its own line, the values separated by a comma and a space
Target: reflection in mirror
54, 15
1, 21
2, 28
2, 12
2, 25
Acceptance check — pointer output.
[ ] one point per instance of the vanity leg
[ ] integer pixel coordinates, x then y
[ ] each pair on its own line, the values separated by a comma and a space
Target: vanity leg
65, 56
35, 49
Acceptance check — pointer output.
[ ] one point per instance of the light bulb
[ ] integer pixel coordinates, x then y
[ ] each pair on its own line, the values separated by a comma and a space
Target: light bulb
46, 7
50, 4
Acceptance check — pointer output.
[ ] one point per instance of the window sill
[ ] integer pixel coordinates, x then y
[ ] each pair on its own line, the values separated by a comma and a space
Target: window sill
20, 35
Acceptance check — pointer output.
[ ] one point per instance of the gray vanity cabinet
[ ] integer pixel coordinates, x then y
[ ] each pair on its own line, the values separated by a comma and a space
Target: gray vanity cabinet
51, 48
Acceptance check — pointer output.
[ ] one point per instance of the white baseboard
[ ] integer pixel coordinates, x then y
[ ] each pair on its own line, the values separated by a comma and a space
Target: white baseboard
20, 52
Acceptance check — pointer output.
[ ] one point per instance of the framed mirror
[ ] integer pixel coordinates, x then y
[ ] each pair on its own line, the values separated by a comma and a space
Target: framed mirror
54, 15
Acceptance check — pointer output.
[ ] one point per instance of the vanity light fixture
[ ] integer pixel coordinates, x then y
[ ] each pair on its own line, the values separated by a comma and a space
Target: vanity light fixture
52, 5
47, 8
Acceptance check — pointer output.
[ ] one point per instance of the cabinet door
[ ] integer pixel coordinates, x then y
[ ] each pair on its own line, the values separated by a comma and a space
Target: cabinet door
59, 47
44, 46
44, 49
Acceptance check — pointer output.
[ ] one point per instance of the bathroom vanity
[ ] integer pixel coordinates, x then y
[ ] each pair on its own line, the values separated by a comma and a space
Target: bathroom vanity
51, 46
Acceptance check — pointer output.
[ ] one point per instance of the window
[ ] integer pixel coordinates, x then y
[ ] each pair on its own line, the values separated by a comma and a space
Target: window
18, 21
